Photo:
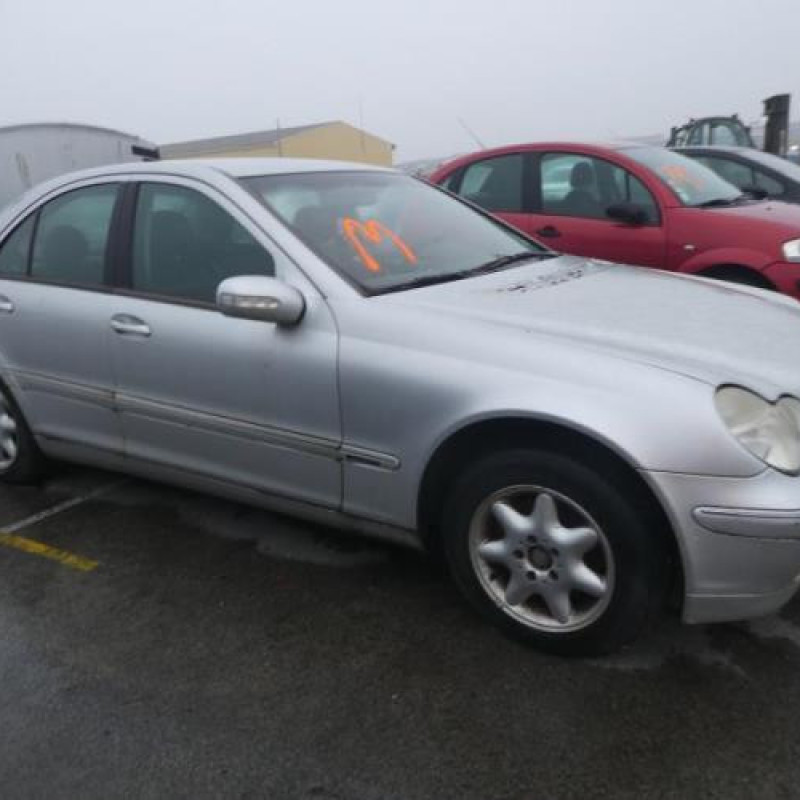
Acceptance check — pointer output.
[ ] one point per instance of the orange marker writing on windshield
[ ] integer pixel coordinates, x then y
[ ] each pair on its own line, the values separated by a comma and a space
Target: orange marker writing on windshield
375, 232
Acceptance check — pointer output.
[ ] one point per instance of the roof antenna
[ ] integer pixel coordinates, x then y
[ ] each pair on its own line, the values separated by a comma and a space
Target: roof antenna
280, 138
361, 124
471, 133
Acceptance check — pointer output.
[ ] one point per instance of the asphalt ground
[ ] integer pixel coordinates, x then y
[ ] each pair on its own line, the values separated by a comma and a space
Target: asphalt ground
156, 643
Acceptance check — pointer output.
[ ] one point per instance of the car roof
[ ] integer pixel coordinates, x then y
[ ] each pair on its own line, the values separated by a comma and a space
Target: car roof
618, 144
716, 148
209, 170
591, 148
233, 167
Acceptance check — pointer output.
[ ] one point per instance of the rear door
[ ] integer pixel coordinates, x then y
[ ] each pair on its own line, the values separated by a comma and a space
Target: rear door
571, 196
500, 185
54, 307
240, 401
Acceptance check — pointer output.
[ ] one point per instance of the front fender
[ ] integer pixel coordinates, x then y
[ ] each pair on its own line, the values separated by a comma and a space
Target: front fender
718, 256
668, 422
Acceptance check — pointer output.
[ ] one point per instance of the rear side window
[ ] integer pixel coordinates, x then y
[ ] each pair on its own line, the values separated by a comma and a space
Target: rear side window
495, 184
185, 245
72, 235
16, 250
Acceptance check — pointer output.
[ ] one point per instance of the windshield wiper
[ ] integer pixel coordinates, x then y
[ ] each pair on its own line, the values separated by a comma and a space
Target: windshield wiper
720, 202
418, 283
504, 261
482, 269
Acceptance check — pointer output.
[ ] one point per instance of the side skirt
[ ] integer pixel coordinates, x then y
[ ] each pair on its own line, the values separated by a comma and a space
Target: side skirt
310, 512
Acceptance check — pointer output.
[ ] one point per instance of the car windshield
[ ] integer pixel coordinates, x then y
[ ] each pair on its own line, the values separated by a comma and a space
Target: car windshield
385, 231
695, 184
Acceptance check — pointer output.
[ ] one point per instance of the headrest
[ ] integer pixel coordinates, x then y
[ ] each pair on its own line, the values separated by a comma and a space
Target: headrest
582, 175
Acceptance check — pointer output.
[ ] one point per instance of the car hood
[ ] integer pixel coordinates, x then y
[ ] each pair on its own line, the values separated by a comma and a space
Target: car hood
785, 217
711, 331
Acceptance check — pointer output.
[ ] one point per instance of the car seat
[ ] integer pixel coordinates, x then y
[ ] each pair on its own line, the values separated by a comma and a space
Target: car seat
581, 202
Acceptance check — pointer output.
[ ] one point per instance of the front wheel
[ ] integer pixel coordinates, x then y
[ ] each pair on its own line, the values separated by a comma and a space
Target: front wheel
553, 553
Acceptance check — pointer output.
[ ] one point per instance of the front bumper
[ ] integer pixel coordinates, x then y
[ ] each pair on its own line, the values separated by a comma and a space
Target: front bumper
739, 541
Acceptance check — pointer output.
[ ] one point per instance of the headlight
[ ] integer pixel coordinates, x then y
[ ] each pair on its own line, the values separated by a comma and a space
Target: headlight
791, 250
770, 431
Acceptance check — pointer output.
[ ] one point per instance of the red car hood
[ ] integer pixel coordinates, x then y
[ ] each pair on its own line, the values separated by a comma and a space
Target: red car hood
784, 217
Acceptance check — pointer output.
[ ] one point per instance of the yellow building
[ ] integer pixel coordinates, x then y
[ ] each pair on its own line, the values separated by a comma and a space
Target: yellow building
334, 140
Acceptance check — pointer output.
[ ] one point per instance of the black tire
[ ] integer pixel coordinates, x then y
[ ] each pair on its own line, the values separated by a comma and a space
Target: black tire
740, 275
29, 463
641, 556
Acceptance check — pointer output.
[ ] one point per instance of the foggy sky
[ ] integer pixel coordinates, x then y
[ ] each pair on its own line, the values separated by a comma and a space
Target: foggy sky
514, 70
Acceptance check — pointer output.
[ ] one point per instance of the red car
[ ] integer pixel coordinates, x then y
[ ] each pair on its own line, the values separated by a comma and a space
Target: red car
637, 205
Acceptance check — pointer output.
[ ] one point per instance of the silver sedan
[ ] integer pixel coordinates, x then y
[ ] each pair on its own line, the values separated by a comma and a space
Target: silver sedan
578, 440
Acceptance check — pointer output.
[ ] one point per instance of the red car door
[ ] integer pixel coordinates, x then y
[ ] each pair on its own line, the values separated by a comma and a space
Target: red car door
572, 194
499, 184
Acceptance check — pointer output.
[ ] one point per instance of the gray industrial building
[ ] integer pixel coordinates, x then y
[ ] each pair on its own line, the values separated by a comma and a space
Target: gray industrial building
32, 153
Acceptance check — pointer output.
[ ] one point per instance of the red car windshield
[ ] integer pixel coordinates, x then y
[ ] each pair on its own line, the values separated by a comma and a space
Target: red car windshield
695, 184
384, 231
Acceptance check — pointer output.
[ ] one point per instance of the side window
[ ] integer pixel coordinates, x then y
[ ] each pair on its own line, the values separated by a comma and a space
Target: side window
581, 186
16, 249
700, 134
732, 171
451, 180
556, 179
772, 187
72, 234
495, 184
631, 190
185, 245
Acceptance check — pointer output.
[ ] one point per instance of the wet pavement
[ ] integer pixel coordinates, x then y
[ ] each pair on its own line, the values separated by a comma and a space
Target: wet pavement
220, 651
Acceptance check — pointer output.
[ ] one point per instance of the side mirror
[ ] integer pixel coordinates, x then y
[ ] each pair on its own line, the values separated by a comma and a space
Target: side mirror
260, 298
756, 192
629, 213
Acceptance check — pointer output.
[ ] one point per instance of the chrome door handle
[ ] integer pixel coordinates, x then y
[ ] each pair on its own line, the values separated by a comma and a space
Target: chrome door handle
128, 325
6, 306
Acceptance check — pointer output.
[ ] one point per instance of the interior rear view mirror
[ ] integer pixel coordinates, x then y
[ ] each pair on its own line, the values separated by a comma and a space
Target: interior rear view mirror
755, 191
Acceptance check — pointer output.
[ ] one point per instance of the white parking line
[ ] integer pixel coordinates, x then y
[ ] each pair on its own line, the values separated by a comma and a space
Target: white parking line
9, 538
59, 507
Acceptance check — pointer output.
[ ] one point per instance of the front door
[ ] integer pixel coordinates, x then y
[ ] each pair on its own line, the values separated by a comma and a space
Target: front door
574, 192
244, 402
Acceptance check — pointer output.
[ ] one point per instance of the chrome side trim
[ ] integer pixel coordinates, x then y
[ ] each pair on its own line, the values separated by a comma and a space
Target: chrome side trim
370, 458
215, 423
31, 381
765, 523
292, 440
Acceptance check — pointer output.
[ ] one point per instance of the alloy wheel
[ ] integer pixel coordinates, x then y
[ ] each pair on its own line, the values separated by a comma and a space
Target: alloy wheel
542, 558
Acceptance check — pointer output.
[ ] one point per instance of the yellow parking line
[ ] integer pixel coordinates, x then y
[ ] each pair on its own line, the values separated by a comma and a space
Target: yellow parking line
9, 538
46, 551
